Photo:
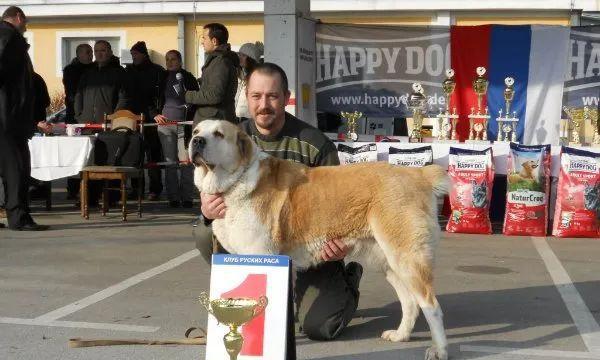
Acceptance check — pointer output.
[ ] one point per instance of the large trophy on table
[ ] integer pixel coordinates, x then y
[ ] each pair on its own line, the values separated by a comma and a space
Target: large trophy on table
478, 120
417, 102
234, 313
507, 124
447, 120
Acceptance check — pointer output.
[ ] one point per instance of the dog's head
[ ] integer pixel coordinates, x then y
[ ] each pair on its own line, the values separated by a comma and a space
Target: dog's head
220, 144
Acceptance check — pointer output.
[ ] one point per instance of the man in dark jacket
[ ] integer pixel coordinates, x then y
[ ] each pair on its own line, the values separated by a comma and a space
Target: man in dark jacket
103, 89
72, 74
16, 118
146, 79
218, 83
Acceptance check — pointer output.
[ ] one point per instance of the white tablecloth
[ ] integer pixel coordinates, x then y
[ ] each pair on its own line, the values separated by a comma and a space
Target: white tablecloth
441, 150
55, 157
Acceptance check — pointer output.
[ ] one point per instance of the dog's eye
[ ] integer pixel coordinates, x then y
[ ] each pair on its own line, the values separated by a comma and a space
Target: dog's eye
218, 134
196, 132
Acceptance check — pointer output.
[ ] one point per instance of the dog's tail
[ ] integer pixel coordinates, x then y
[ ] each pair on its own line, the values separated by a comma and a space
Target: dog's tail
438, 178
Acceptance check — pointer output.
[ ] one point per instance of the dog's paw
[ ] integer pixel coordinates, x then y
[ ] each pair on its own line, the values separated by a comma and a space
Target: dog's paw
433, 353
395, 336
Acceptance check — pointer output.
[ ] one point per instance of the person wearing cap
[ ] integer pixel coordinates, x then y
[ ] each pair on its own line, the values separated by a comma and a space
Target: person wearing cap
250, 56
218, 84
146, 79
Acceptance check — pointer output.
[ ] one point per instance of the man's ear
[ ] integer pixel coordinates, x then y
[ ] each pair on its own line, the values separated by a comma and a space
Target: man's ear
245, 148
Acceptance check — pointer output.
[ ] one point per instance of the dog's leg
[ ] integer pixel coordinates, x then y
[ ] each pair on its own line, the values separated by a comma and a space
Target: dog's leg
410, 310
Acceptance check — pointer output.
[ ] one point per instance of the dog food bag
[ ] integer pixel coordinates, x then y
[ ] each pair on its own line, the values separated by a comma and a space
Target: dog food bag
471, 178
415, 157
351, 155
578, 198
527, 190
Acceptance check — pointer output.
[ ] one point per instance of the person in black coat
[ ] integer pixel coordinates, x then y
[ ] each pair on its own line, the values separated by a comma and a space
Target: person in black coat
16, 118
146, 78
103, 89
72, 73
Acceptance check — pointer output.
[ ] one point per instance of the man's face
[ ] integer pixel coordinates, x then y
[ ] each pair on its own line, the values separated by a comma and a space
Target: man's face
20, 22
266, 100
84, 55
102, 53
173, 63
209, 44
137, 57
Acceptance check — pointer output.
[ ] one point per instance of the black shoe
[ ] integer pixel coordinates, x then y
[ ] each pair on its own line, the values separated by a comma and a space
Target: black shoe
354, 273
174, 203
187, 204
2, 226
31, 227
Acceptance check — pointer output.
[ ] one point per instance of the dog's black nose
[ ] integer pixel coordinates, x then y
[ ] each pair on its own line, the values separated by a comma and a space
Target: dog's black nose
198, 142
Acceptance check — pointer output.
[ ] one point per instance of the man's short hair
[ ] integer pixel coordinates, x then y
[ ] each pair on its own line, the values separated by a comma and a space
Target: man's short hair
12, 12
270, 69
176, 52
217, 31
106, 43
81, 46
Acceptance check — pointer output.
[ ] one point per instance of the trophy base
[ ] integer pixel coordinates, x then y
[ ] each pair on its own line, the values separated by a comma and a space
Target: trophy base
478, 142
505, 142
570, 143
445, 141
596, 146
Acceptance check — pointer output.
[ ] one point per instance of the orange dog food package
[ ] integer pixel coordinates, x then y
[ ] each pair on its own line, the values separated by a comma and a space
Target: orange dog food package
471, 177
527, 190
578, 198
415, 157
361, 153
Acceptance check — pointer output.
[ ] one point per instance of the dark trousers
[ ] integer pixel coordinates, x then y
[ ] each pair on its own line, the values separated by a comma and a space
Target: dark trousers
15, 169
153, 154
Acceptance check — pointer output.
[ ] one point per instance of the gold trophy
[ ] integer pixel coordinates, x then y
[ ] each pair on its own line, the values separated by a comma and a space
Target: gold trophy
447, 120
234, 312
478, 121
592, 116
417, 102
575, 118
351, 123
507, 124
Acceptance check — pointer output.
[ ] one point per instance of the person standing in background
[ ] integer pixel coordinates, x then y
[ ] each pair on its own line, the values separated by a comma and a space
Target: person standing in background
17, 122
218, 84
71, 75
249, 55
146, 79
175, 139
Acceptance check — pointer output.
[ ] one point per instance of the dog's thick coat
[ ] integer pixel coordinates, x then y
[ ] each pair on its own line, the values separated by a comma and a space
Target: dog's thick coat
278, 207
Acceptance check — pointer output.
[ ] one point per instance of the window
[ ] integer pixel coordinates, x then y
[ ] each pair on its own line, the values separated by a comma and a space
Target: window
67, 42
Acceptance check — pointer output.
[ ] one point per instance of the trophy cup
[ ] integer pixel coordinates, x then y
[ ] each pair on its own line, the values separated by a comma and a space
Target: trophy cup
351, 123
478, 120
592, 116
507, 124
233, 312
446, 119
417, 102
575, 118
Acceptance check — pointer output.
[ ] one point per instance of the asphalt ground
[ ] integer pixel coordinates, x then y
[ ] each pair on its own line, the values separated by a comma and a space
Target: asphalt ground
503, 297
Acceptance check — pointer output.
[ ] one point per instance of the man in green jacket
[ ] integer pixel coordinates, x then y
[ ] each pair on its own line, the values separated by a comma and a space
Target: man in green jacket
218, 83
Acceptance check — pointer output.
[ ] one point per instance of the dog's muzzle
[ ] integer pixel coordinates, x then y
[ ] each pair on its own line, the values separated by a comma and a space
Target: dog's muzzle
196, 147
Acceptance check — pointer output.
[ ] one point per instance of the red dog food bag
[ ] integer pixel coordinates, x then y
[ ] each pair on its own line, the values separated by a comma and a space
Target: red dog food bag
362, 153
527, 190
578, 198
415, 157
471, 178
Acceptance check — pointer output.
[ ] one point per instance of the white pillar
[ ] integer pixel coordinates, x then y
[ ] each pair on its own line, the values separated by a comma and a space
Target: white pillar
290, 43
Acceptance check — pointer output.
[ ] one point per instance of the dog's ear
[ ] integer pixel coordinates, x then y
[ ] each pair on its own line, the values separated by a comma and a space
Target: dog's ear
244, 147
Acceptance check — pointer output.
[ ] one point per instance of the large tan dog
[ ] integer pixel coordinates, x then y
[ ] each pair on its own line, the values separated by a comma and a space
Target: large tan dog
278, 207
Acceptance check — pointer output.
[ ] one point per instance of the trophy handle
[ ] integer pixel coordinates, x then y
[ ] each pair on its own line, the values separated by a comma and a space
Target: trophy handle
260, 307
205, 301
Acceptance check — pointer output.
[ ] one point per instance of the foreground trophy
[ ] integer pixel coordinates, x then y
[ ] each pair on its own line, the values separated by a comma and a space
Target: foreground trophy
417, 102
233, 313
446, 120
575, 118
507, 124
478, 120
351, 123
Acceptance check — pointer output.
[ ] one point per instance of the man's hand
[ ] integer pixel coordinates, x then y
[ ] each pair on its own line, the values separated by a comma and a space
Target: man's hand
160, 119
44, 127
213, 206
334, 250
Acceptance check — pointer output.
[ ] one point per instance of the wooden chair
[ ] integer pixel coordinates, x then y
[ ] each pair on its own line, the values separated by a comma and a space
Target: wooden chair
121, 118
